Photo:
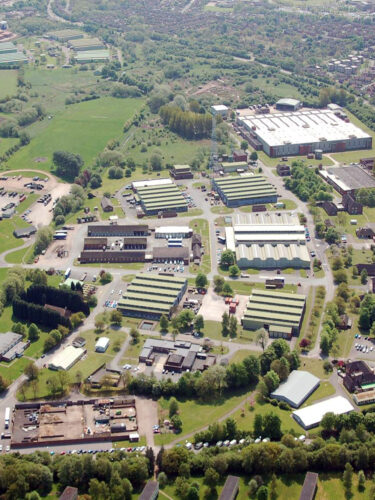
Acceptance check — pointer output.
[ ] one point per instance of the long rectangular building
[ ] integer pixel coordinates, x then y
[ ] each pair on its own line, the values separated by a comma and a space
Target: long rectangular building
244, 189
303, 132
112, 256
117, 230
279, 313
311, 416
152, 295
84, 44
154, 199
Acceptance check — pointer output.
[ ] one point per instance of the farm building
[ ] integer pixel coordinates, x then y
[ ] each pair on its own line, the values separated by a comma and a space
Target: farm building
303, 132
65, 359
268, 241
347, 180
231, 488
65, 35
117, 230
279, 313
245, 189
86, 44
102, 344
7, 48
150, 491
311, 416
168, 232
156, 198
297, 388
150, 296
288, 104
182, 172
219, 109
12, 59
87, 56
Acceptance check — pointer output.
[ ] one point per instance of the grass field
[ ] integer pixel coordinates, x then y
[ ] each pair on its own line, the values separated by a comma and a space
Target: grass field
7, 143
8, 85
195, 414
7, 226
20, 256
83, 128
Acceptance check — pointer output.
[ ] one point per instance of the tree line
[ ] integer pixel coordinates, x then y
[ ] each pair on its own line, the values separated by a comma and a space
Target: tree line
187, 124
43, 294
306, 184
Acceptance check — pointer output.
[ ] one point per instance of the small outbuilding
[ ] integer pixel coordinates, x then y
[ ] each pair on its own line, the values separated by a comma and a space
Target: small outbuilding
24, 232
102, 344
106, 204
297, 388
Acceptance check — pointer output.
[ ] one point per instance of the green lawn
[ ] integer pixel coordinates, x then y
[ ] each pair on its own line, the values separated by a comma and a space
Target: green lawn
21, 256
14, 369
240, 355
8, 85
7, 142
324, 390
83, 128
196, 414
7, 226
201, 227
315, 366
221, 210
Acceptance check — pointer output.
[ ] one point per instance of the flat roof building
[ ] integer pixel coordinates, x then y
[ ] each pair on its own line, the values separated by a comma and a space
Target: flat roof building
246, 189
169, 232
297, 388
310, 485
70, 493
312, 415
150, 182
220, 109
86, 56
230, 489
65, 359
8, 340
65, 35
24, 232
279, 313
102, 344
347, 180
302, 132
154, 199
152, 295
166, 254
112, 256
182, 172
268, 241
288, 104
86, 44
12, 59
116, 230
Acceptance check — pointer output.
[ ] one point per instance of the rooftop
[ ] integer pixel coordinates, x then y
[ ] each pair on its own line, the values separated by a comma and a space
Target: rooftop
312, 415
353, 177
7, 340
296, 388
230, 487
150, 182
66, 358
288, 101
245, 186
161, 197
302, 127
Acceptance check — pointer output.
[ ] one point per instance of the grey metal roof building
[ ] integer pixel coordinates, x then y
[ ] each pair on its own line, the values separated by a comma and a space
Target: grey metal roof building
150, 491
297, 388
24, 232
156, 198
163, 254
230, 489
246, 189
8, 340
116, 230
310, 485
277, 312
151, 295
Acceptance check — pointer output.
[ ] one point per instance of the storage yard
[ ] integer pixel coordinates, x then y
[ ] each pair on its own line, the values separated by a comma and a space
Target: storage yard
279, 313
69, 422
246, 189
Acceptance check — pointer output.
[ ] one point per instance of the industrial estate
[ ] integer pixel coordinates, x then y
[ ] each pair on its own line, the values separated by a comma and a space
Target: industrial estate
187, 250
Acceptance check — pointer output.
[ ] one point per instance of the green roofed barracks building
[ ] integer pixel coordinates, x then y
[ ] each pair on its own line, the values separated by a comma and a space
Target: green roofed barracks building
152, 295
244, 189
279, 313
164, 197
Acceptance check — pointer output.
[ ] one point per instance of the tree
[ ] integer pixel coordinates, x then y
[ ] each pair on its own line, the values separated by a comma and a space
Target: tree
199, 323
254, 156
227, 258
361, 481
253, 486
164, 323
67, 164
201, 280
273, 487
325, 344
262, 493
258, 426
347, 479
340, 276
218, 284
173, 407
163, 480
232, 326
33, 332
177, 423
328, 422
43, 239
227, 290
106, 278
77, 319
225, 324
271, 380
262, 338
327, 366
244, 145
116, 317
211, 478
364, 276
135, 335
234, 271
272, 426
31, 371
192, 493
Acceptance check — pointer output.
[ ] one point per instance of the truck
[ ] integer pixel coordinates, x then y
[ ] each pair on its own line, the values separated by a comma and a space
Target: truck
67, 273
7, 417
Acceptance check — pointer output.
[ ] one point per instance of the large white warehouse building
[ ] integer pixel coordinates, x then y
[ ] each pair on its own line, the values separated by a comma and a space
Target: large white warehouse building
312, 415
302, 132
66, 358
268, 240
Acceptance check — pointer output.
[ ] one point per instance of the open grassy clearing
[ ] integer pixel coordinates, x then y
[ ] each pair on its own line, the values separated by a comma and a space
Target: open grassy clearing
324, 390
6, 143
240, 355
196, 414
83, 128
8, 85
315, 366
7, 226
21, 256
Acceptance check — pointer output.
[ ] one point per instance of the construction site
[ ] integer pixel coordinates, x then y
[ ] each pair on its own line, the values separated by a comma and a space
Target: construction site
68, 422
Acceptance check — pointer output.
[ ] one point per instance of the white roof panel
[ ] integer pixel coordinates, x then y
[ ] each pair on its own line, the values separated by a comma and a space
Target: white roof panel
312, 415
